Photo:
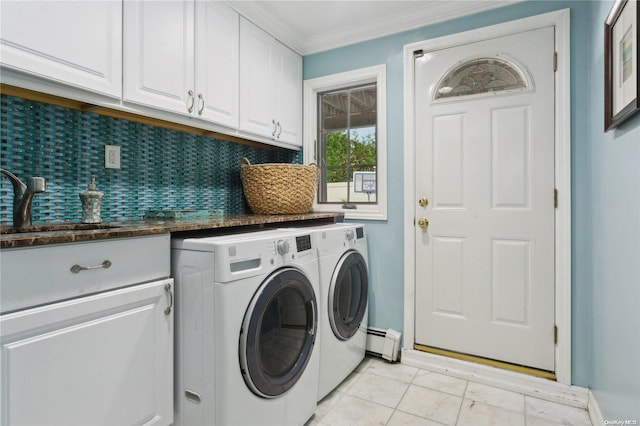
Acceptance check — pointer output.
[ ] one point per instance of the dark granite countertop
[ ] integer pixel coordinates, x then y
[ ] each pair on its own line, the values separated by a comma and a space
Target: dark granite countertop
40, 234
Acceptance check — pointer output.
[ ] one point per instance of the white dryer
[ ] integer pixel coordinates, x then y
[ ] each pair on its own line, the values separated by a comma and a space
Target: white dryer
246, 323
344, 293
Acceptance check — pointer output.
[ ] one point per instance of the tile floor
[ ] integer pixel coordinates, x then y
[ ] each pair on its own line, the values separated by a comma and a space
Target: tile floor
381, 393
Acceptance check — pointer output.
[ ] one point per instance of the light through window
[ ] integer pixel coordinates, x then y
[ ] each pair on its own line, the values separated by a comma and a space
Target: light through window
347, 146
345, 135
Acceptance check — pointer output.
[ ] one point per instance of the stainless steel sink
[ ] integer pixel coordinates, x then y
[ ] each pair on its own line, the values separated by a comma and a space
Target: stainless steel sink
52, 227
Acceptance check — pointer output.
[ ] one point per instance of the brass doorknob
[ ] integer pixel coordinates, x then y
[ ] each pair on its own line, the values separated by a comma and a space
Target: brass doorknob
423, 202
423, 222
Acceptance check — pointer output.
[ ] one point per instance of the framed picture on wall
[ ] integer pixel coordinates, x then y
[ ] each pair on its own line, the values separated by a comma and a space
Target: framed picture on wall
621, 77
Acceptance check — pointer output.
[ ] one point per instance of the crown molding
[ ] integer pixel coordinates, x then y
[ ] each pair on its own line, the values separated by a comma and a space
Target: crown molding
429, 13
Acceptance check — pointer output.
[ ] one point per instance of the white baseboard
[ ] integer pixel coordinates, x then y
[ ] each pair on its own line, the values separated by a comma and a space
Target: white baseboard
537, 387
594, 410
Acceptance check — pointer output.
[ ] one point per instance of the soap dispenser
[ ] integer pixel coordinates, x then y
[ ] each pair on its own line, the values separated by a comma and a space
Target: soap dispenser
91, 200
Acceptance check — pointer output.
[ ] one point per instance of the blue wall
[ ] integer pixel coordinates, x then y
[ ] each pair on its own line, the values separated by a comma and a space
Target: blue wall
614, 243
605, 249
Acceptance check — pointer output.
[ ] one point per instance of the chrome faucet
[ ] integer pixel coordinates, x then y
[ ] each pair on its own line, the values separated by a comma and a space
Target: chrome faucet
22, 196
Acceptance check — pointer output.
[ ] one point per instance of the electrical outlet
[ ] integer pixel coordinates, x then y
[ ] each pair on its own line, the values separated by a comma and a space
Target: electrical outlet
112, 157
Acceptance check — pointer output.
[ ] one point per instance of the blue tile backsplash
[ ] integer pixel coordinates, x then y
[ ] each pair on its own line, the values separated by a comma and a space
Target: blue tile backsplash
160, 168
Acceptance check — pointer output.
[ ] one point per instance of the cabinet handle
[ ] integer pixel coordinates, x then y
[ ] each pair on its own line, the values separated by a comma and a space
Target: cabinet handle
279, 130
200, 103
167, 288
77, 268
273, 134
193, 101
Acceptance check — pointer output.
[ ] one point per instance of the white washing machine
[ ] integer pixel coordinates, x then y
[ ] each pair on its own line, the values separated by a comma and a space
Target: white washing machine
246, 323
344, 293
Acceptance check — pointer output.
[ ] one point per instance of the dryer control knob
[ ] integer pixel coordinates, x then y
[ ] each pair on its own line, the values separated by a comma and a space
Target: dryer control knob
350, 234
283, 247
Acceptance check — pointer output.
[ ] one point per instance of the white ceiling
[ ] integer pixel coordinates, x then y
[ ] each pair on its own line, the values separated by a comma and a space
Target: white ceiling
310, 26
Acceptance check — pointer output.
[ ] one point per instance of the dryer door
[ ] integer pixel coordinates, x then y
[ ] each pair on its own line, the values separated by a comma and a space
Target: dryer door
348, 295
278, 333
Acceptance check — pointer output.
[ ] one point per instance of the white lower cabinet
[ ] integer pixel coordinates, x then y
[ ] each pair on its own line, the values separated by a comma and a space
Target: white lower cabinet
86, 333
105, 359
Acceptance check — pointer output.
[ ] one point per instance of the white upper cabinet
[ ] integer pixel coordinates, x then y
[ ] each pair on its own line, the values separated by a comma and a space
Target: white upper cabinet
197, 63
70, 42
158, 55
270, 87
289, 95
183, 57
217, 66
257, 90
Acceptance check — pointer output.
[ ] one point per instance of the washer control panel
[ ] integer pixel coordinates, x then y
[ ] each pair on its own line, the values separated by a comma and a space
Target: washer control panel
350, 234
292, 247
303, 243
282, 246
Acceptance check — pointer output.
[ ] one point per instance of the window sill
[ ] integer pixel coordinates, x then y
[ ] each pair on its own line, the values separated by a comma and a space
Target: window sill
363, 212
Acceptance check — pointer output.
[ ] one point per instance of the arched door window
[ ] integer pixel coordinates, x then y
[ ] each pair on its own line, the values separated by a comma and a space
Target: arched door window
481, 75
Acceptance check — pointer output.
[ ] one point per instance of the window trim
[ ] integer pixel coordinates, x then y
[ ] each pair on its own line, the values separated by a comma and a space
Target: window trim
375, 74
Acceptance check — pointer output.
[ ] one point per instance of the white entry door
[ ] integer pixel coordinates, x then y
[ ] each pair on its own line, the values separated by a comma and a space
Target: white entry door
485, 165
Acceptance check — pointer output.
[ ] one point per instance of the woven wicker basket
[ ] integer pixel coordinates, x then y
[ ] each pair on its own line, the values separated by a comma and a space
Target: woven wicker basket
278, 188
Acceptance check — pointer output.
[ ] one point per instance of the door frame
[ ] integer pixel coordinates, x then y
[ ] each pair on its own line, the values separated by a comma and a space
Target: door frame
560, 20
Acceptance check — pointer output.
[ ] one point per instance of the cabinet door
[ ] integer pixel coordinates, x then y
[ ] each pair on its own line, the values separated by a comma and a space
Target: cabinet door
158, 54
75, 43
105, 359
216, 63
288, 69
257, 81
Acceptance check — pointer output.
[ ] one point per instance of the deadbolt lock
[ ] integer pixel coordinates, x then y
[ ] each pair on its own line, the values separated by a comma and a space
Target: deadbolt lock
423, 202
423, 222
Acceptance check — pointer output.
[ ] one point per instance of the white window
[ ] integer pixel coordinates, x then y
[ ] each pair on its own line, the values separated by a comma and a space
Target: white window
346, 136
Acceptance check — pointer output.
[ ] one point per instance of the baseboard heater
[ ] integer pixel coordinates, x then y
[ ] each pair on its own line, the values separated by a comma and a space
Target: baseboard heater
384, 343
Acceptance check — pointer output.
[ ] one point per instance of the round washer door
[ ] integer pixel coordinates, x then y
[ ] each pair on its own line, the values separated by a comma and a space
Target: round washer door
278, 333
348, 295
